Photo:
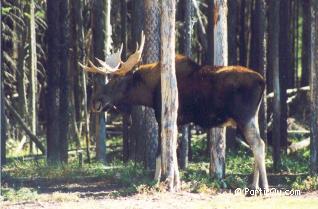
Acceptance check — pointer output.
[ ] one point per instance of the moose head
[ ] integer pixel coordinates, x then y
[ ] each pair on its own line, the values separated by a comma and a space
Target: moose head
110, 95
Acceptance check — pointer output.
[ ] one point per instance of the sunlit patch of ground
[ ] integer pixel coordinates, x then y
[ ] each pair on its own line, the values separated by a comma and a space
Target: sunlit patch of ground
166, 200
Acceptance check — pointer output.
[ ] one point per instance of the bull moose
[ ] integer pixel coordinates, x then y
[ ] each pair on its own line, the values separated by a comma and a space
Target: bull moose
208, 96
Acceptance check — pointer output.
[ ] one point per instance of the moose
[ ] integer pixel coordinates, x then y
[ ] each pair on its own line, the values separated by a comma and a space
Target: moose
208, 96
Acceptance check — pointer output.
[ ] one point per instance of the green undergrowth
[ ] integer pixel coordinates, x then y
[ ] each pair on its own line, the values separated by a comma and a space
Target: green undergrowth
132, 178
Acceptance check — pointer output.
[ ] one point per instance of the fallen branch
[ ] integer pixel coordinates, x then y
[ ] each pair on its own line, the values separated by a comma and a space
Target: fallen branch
290, 91
33, 138
294, 147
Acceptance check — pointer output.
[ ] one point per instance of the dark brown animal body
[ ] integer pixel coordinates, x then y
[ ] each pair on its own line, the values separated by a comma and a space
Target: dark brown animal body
208, 96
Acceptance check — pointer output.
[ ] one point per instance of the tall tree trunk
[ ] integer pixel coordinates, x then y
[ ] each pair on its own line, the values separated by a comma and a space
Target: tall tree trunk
101, 27
64, 82
217, 153
314, 88
151, 55
169, 94
75, 73
139, 125
260, 58
186, 50
53, 75
305, 57
273, 65
232, 50
20, 54
285, 60
3, 123
126, 117
242, 34
33, 72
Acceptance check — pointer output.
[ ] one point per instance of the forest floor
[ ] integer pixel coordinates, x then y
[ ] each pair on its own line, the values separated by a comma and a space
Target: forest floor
98, 193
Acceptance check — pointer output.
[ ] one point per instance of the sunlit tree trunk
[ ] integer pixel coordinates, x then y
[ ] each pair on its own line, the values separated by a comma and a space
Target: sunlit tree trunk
169, 94
217, 153
33, 73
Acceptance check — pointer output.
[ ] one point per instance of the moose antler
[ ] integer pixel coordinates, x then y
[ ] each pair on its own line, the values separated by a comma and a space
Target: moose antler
113, 61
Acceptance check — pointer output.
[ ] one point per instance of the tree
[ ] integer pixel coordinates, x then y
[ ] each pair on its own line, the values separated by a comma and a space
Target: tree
306, 36
3, 124
217, 153
260, 58
101, 46
285, 61
57, 84
126, 117
169, 94
314, 87
151, 55
186, 50
273, 65
33, 71
139, 127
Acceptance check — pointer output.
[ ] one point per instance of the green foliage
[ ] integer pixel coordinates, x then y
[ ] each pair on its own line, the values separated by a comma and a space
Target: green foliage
197, 174
21, 194
308, 183
295, 163
239, 162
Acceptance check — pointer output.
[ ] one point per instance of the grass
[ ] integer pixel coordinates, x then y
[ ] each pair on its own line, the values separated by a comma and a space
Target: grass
132, 178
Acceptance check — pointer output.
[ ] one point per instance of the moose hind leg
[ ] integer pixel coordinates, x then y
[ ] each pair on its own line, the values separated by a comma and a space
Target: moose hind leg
252, 135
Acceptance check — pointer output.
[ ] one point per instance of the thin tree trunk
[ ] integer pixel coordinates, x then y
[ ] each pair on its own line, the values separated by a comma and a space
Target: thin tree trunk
126, 117
305, 57
83, 76
3, 123
24, 126
273, 65
169, 93
20, 54
285, 60
151, 55
33, 72
314, 88
186, 50
75, 73
217, 154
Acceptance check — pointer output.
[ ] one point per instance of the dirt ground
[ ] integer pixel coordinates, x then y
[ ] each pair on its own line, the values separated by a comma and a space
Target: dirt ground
165, 200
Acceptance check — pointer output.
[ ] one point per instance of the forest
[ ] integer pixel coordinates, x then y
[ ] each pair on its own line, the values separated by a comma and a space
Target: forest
159, 103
